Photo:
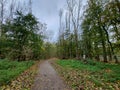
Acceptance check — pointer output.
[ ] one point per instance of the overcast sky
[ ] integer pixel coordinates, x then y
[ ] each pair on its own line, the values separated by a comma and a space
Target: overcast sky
47, 11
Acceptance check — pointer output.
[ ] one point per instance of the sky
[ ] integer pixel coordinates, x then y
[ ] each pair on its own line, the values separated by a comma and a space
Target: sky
47, 11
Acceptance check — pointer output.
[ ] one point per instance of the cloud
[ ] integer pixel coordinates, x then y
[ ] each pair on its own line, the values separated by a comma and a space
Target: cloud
47, 11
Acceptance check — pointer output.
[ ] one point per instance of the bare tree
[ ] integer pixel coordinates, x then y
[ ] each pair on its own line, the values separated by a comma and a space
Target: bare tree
30, 6
74, 10
2, 13
60, 16
12, 9
60, 32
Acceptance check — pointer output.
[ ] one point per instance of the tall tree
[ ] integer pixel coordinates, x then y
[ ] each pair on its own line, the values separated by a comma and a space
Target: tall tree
30, 6
2, 14
74, 10
12, 9
23, 33
94, 11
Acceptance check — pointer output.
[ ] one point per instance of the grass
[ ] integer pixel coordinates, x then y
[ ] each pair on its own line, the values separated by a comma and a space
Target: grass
97, 72
11, 69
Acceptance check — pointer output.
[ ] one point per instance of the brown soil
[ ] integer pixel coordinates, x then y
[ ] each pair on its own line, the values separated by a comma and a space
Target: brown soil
48, 79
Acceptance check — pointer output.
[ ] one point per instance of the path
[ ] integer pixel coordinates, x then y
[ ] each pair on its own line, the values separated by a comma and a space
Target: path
48, 78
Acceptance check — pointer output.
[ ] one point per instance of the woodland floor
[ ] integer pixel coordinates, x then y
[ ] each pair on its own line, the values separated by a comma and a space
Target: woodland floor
48, 79
65, 75
89, 76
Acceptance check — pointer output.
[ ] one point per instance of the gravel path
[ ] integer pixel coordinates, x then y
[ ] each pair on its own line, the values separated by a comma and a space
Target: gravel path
48, 79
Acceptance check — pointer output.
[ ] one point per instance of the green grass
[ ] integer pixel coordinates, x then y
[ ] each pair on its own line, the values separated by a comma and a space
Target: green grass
11, 69
98, 70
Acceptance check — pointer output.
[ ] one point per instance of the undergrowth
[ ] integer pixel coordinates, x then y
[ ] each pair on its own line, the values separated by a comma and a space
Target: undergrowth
103, 75
11, 69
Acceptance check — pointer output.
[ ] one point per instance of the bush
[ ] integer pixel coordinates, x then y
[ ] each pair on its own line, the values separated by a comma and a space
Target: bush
11, 69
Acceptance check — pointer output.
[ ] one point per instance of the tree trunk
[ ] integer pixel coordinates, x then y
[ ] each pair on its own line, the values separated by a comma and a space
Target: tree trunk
115, 57
109, 53
103, 43
103, 46
76, 45
104, 51
97, 57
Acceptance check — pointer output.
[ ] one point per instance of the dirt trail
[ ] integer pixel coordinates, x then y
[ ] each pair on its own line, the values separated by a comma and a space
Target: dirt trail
48, 79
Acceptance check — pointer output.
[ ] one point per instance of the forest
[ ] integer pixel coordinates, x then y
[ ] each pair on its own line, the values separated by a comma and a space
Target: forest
94, 35
86, 53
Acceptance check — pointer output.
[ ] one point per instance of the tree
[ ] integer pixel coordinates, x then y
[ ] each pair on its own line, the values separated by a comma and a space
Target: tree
12, 9
74, 10
23, 34
2, 14
94, 11
100, 26
100, 30
30, 6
